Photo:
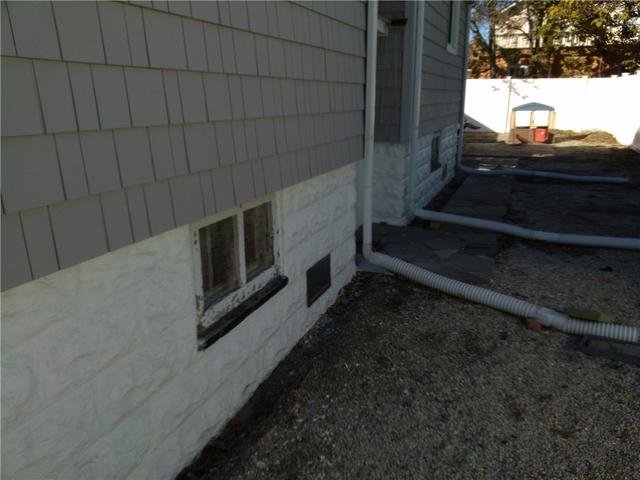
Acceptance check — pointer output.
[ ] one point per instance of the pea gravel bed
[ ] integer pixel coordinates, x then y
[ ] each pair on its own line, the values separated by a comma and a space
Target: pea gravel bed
399, 381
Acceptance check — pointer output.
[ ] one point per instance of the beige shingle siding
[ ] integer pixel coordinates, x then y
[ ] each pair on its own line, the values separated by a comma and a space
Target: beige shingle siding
389, 77
15, 261
441, 71
156, 114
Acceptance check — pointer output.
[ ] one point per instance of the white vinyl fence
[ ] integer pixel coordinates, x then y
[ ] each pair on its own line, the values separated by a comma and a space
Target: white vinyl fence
610, 104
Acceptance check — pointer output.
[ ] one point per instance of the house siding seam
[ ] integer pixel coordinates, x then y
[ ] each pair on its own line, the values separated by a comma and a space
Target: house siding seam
146, 107
441, 71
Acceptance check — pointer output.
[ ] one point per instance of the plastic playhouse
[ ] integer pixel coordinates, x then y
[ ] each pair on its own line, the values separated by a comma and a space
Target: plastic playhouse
534, 132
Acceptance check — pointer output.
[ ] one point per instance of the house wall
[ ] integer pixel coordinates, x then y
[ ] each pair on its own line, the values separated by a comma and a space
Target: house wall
440, 101
122, 121
442, 71
102, 377
488, 103
392, 176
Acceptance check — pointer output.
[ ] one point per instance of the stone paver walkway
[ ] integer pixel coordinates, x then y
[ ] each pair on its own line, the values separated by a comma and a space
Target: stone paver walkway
458, 252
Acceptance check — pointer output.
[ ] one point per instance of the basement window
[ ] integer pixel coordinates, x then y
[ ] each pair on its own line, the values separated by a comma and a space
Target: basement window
217, 259
235, 267
258, 239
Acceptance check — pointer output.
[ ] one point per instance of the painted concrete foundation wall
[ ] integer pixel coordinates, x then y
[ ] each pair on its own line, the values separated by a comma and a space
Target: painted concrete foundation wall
392, 175
101, 373
608, 104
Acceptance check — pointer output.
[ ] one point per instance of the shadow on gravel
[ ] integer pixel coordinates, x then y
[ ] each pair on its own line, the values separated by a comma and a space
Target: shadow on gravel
249, 423
399, 381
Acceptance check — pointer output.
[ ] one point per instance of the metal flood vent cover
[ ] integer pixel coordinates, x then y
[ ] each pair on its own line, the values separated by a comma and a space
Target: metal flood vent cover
318, 279
435, 153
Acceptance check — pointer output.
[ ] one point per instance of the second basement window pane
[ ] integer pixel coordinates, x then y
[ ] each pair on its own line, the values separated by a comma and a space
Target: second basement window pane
258, 239
218, 256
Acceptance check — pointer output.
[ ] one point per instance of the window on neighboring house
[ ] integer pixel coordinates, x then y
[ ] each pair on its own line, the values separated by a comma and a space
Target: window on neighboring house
453, 27
235, 261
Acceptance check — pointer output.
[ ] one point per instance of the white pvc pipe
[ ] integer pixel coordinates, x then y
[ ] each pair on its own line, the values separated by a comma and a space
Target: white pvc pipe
473, 293
416, 85
535, 173
564, 238
369, 124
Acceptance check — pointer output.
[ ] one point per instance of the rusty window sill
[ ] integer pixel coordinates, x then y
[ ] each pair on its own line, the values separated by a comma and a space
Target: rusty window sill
230, 320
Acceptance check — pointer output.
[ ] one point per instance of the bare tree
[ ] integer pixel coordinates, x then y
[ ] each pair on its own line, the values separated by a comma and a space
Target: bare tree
486, 16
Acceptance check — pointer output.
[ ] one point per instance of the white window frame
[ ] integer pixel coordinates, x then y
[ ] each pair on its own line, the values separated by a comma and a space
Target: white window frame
209, 314
454, 22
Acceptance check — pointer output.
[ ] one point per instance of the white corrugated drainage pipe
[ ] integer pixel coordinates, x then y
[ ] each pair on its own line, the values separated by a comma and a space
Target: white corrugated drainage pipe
499, 301
564, 238
535, 173
473, 293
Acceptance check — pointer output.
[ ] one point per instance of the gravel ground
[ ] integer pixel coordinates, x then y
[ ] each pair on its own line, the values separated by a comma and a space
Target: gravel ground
399, 381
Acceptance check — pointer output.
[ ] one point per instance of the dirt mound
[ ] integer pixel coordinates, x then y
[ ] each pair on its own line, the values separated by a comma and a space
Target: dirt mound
600, 138
560, 136
594, 137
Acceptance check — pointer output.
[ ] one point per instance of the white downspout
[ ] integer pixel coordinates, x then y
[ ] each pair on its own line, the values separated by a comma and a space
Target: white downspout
414, 117
496, 300
369, 124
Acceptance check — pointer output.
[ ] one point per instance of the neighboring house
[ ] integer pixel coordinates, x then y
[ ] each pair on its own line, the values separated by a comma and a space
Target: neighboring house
515, 33
179, 185
538, 40
514, 39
